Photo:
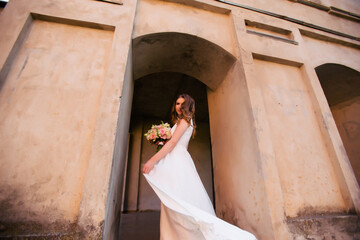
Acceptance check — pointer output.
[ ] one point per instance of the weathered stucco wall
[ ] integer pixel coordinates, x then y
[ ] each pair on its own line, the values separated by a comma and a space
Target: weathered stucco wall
240, 193
270, 65
300, 150
62, 66
319, 52
49, 103
155, 16
347, 118
305, 13
350, 5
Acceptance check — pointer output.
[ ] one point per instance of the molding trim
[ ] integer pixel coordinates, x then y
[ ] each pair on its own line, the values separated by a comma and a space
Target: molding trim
289, 19
75, 22
272, 36
119, 2
331, 10
275, 59
322, 37
201, 5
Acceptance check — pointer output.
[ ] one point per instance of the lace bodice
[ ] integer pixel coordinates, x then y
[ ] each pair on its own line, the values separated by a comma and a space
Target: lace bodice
185, 138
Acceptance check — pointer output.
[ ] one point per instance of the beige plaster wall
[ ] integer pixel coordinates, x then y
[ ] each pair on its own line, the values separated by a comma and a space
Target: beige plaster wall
349, 5
62, 97
154, 16
316, 52
49, 103
303, 13
240, 193
347, 119
319, 52
301, 155
303, 56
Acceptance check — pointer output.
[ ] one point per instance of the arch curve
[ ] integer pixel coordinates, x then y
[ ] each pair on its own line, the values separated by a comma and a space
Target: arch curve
341, 86
183, 53
339, 82
336, 60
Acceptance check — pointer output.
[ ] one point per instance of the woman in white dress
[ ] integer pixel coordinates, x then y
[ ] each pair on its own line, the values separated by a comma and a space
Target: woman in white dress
186, 210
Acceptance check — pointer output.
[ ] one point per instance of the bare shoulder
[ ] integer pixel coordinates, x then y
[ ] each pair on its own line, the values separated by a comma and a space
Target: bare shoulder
183, 122
182, 125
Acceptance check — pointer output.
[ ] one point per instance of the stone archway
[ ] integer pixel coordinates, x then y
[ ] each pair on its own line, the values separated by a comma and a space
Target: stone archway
176, 63
341, 86
172, 52
183, 53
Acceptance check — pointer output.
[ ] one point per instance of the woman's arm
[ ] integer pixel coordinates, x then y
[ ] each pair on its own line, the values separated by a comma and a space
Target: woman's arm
169, 145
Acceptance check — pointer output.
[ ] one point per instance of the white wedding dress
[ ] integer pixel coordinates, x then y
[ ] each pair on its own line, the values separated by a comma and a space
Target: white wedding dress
186, 210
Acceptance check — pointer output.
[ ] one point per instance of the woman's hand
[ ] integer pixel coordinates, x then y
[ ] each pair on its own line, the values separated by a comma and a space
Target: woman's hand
179, 131
149, 165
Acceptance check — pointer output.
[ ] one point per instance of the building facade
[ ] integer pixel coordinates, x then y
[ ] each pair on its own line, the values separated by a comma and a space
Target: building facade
277, 88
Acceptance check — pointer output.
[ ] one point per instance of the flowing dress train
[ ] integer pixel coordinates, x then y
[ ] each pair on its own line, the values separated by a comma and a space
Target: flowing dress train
186, 209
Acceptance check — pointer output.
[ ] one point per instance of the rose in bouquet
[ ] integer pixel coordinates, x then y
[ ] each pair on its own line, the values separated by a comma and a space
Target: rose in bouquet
159, 134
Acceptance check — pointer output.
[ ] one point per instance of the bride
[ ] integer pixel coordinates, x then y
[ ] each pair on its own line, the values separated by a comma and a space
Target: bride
186, 209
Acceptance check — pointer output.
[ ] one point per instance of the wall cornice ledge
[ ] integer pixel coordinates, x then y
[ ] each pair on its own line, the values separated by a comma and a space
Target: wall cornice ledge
201, 5
289, 19
331, 10
119, 2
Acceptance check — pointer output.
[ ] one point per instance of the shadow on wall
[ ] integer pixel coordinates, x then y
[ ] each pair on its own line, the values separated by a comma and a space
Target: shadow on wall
341, 86
183, 53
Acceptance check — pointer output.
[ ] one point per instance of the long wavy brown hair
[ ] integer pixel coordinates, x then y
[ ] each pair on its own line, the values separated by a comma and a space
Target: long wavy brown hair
187, 110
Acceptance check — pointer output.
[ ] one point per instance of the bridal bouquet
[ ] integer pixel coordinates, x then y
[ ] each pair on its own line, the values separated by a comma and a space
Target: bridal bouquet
159, 134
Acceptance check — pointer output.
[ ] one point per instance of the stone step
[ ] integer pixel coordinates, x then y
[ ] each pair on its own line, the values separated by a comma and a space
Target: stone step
325, 227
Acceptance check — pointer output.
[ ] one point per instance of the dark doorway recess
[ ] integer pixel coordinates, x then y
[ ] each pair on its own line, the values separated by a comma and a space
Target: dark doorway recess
153, 97
155, 93
341, 86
